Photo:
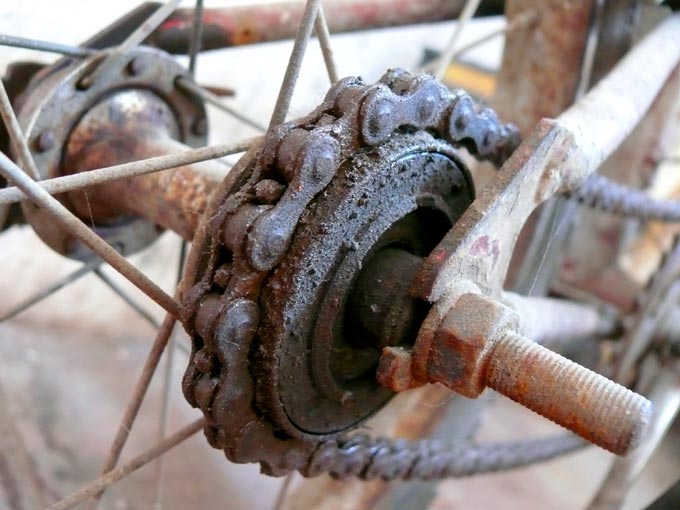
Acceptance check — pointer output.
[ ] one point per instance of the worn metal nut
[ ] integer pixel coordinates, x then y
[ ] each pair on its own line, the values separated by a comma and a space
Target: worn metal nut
394, 369
465, 339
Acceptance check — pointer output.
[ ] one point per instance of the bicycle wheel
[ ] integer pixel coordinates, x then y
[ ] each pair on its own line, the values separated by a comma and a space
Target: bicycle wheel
167, 303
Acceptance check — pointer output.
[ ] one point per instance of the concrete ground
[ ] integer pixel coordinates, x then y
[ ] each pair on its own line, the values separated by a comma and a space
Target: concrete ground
68, 364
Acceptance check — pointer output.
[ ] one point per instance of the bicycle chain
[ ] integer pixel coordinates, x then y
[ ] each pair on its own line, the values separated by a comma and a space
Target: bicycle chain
600, 193
249, 228
429, 459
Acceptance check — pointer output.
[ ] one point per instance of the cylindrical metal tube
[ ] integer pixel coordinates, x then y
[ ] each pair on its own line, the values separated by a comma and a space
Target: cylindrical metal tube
131, 126
250, 24
550, 321
174, 199
594, 407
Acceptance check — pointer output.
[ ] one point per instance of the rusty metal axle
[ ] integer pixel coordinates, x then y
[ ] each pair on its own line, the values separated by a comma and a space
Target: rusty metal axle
478, 346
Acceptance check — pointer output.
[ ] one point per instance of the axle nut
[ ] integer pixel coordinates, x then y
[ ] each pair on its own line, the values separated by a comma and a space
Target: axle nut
462, 344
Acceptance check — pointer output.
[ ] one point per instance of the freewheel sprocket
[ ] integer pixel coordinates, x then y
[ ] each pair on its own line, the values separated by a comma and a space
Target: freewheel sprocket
300, 272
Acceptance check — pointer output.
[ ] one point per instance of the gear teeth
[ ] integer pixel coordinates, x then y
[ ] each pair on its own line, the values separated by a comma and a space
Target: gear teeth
249, 233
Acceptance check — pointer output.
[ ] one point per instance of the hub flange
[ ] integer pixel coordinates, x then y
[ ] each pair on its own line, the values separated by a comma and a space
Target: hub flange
286, 323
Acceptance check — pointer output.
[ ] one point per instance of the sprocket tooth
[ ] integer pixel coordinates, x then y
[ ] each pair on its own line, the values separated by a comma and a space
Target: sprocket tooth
289, 232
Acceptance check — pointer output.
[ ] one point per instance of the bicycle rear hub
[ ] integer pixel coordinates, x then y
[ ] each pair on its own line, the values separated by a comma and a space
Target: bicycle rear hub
301, 272
106, 110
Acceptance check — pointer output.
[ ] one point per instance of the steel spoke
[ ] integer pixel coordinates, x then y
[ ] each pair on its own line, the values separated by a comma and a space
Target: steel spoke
146, 166
165, 393
324, 36
163, 423
111, 477
520, 21
283, 492
108, 281
465, 17
76, 227
46, 46
138, 395
16, 134
151, 24
196, 37
133, 40
25, 490
145, 314
294, 64
198, 91
48, 291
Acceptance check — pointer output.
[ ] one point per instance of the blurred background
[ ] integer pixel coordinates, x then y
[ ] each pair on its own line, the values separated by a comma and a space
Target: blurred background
69, 363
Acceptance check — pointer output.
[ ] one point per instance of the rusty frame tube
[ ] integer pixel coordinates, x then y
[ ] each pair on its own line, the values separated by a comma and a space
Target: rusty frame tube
238, 25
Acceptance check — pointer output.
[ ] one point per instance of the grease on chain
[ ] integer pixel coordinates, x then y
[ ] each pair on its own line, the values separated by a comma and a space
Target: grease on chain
390, 459
250, 231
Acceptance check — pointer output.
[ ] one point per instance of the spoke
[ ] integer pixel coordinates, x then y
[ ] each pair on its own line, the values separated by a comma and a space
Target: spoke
196, 37
16, 134
165, 398
145, 314
49, 47
76, 227
220, 91
519, 21
324, 36
102, 175
198, 91
465, 17
133, 40
138, 395
96, 486
151, 24
165, 394
126, 297
20, 480
283, 492
163, 423
294, 64
48, 291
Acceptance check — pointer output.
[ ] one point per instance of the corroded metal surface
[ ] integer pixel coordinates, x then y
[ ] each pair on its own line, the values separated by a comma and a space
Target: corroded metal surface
599, 271
134, 125
61, 95
599, 410
558, 156
269, 301
540, 69
477, 346
249, 24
